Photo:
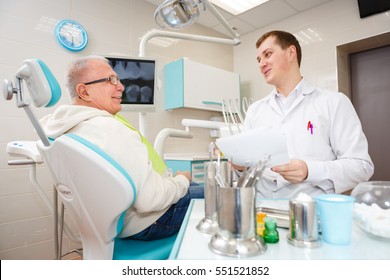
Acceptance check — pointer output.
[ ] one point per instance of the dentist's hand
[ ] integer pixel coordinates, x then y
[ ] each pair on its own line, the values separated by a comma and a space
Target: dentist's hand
295, 171
238, 167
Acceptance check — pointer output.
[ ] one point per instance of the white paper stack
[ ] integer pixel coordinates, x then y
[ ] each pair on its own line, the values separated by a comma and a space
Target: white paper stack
249, 147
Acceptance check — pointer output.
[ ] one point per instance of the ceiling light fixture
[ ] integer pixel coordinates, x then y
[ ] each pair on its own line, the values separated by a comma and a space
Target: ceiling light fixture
237, 7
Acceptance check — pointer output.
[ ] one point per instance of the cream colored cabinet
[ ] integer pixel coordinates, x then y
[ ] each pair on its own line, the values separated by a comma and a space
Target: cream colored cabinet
189, 84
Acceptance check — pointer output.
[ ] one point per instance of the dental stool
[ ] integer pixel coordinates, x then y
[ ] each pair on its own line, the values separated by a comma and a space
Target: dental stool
92, 186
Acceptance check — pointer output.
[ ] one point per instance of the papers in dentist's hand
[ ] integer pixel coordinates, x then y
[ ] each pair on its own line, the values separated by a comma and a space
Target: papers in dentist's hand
249, 147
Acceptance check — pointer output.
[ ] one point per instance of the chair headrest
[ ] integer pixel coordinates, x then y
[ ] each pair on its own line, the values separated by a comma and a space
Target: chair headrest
42, 85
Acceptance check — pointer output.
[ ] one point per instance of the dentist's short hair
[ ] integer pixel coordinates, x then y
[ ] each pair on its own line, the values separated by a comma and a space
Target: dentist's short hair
76, 72
284, 40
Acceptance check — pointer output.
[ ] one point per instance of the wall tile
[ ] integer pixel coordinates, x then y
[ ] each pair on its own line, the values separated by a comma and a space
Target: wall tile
36, 251
21, 207
26, 232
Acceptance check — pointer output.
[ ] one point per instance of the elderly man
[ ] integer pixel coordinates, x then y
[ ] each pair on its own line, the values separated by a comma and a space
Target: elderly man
96, 91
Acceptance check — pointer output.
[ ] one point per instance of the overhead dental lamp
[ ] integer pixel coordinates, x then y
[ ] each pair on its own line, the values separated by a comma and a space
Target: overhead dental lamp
177, 14
180, 14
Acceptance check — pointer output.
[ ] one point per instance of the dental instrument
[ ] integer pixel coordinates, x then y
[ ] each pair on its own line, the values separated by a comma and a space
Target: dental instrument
238, 111
246, 102
233, 116
226, 117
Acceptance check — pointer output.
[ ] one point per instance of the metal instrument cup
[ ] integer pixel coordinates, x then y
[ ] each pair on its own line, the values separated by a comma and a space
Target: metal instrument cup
209, 224
236, 213
303, 224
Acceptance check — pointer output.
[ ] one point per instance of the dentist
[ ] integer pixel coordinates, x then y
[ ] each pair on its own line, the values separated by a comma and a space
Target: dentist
95, 91
327, 147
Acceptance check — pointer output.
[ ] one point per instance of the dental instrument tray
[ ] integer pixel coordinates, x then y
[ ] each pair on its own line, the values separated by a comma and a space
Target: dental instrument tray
275, 208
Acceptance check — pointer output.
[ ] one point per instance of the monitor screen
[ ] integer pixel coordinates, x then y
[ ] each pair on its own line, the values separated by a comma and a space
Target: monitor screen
372, 7
138, 76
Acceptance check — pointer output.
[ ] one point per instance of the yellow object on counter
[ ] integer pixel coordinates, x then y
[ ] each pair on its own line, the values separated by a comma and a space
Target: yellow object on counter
260, 223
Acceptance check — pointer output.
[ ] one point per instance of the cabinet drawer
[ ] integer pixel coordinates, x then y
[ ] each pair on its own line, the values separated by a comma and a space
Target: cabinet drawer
198, 167
198, 178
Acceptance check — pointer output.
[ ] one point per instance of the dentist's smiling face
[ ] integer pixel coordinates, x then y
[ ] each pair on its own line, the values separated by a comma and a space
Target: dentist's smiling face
102, 95
273, 61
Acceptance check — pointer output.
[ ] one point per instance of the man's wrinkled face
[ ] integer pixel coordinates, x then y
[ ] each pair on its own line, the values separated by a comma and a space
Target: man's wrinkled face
103, 95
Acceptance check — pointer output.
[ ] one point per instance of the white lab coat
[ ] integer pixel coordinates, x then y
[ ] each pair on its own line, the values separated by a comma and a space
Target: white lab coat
333, 144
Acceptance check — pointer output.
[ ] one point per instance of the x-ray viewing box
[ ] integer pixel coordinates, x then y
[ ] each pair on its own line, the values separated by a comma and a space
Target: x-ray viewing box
189, 84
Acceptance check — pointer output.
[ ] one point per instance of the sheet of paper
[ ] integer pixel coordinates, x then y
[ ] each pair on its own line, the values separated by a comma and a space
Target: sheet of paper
249, 147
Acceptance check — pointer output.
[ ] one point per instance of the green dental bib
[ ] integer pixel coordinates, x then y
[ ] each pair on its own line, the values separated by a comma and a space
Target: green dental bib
157, 163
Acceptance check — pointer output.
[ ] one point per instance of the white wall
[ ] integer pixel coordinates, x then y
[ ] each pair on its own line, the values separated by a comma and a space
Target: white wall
114, 27
336, 23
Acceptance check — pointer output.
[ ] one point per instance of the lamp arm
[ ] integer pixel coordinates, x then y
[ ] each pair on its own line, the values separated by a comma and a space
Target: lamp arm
221, 19
184, 36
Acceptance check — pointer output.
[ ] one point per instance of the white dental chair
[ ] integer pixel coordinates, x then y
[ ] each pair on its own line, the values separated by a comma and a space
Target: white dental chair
94, 188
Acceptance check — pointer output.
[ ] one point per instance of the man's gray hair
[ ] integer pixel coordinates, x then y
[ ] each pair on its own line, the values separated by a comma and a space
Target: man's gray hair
76, 73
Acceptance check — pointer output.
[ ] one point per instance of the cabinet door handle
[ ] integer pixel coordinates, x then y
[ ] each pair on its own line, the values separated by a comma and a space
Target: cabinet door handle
212, 103
199, 167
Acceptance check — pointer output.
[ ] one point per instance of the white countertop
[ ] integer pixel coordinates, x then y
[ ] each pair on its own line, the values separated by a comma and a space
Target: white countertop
188, 156
192, 244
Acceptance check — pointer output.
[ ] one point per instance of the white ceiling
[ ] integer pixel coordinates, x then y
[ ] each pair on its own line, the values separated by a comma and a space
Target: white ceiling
260, 16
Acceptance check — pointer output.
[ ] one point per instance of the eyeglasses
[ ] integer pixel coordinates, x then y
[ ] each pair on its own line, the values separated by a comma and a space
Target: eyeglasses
112, 79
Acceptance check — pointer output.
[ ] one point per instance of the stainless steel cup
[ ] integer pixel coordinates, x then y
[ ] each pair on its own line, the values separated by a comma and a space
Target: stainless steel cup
236, 215
303, 224
209, 224
236, 235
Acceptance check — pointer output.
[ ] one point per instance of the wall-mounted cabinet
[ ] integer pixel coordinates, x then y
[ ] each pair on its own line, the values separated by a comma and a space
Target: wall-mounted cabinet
189, 84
